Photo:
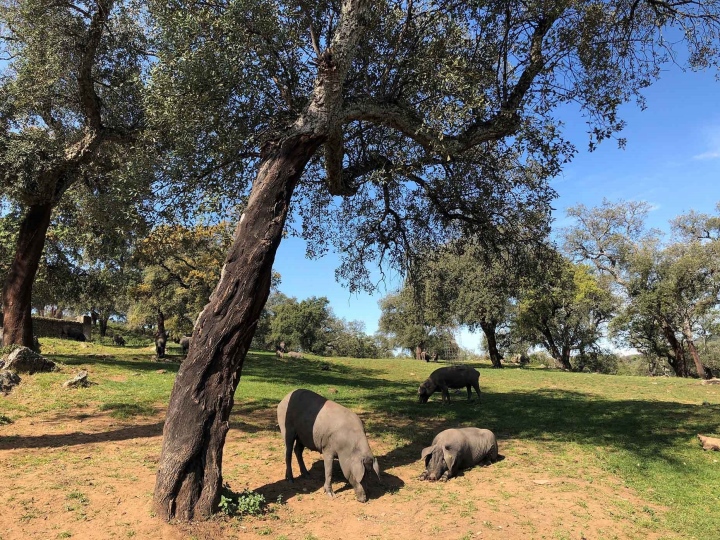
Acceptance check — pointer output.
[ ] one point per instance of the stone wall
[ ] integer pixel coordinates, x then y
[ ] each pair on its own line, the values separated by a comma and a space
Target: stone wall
63, 328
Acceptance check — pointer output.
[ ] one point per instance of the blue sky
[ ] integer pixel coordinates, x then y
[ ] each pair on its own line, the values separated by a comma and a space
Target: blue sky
672, 161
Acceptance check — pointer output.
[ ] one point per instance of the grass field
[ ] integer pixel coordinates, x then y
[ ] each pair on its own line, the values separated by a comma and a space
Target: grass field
571, 431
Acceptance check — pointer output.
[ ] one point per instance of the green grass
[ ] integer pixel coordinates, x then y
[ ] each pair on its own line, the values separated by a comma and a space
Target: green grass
641, 430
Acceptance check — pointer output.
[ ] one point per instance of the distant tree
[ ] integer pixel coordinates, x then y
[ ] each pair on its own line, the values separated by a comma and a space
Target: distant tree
666, 288
564, 311
180, 267
70, 95
396, 120
475, 285
410, 321
348, 338
304, 324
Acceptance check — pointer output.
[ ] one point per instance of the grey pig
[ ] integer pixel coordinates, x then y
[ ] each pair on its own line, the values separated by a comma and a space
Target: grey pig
311, 421
456, 449
449, 377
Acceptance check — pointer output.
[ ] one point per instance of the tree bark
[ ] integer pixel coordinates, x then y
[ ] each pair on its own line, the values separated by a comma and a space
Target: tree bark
419, 352
189, 478
103, 325
565, 359
161, 326
680, 364
17, 291
687, 332
488, 328
561, 357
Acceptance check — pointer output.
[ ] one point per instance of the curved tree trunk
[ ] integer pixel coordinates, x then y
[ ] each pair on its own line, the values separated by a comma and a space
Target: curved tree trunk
680, 363
488, 328
17, 291
687, 332
189, 478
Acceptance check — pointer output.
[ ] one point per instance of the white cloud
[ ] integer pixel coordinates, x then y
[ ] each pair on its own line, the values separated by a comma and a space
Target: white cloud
712, 136
713, 154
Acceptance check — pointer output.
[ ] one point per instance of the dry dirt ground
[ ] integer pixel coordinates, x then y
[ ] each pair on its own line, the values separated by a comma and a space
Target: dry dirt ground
90, 476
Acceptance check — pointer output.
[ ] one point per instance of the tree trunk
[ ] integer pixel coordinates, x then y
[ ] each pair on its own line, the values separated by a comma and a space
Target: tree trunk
419, 352
94, 317
161, 325
680, 364
103, 321
189, 477
561, 357
488, 328
687, 332
565, 359
17, 291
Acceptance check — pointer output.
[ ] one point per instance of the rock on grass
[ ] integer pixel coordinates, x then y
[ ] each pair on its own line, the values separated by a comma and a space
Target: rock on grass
24, 360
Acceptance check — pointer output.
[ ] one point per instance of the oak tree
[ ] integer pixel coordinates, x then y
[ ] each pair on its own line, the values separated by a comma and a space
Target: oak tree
70, 93
384, 124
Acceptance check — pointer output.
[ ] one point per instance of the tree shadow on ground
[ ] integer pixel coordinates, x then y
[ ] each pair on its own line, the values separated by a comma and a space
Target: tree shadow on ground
14, 442
310, 372
314, 483
109, 360
648, 429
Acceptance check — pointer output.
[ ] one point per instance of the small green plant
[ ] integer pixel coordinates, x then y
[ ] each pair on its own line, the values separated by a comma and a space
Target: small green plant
5, 420
245, 503
64, 534
78, 496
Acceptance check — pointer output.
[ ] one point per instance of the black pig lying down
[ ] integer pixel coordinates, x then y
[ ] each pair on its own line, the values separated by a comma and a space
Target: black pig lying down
450, 377
455, 449
311, 421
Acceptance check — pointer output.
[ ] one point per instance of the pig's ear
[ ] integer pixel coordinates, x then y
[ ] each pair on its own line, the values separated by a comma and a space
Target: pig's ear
357, 469
449, 457
426, 453
376, 467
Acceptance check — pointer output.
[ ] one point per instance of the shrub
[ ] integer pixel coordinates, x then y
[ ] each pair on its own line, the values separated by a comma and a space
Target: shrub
238, 504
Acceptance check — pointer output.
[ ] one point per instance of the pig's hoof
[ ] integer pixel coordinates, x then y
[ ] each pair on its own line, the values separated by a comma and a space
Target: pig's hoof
330, 493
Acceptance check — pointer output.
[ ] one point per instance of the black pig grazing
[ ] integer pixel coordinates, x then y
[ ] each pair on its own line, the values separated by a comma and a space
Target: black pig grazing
456, 449
160, 341
308, 420
185, 344
450, 377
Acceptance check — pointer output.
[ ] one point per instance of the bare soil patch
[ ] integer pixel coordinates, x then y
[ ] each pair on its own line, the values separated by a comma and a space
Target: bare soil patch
91, 476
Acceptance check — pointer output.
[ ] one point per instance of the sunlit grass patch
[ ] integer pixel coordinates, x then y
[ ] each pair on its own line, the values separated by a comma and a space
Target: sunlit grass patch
128, 410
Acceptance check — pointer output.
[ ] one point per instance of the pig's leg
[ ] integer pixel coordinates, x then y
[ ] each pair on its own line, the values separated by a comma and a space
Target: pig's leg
477, 389
289, 439
328, 458
299, 447
445, 394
